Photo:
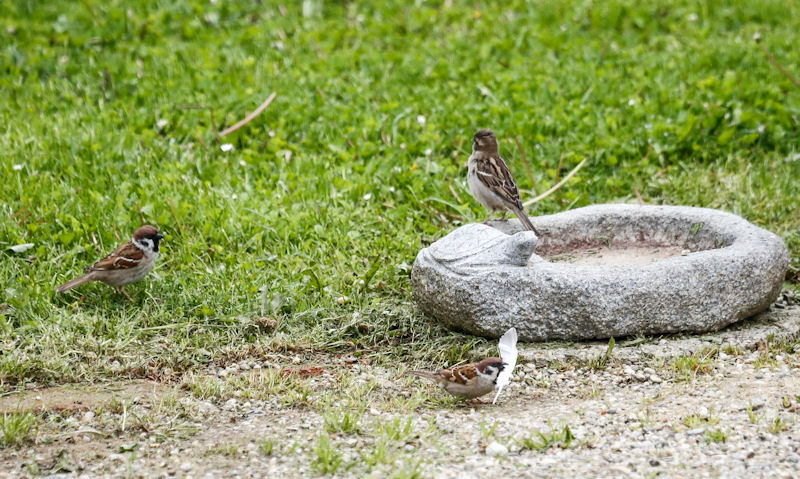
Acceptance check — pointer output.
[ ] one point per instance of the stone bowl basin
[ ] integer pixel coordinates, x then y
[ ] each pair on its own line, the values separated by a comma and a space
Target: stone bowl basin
601, 271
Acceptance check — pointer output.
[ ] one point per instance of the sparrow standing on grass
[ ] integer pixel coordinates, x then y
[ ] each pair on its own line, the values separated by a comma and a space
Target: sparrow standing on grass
127, 264
490, 180
468, 381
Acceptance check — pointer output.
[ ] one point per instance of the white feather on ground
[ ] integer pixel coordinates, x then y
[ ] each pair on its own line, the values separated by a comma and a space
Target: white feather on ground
508, 353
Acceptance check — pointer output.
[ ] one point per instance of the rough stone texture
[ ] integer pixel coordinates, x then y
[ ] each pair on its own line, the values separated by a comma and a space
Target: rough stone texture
485, 279
776, 326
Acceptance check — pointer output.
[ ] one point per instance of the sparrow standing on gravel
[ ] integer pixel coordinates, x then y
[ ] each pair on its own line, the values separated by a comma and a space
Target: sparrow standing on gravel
490, 180
127, 264
468, 381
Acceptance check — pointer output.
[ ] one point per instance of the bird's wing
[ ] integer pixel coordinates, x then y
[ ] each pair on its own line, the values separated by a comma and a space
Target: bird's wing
508, 353
464, 374
494, 173
125, 257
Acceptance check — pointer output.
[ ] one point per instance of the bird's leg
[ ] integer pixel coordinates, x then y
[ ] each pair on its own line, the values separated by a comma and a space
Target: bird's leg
488, 217
122, 290
503, 216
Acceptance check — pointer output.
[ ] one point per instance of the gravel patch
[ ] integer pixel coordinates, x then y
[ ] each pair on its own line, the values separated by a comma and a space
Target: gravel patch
780, 323
737, 416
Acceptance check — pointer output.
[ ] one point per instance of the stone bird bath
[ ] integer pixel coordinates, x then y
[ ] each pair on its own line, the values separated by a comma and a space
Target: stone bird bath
601, 271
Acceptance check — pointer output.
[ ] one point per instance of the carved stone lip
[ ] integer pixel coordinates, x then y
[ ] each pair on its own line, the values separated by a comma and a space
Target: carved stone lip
601, 271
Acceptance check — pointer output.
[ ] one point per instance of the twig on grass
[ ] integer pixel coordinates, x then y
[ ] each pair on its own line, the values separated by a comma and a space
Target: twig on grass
22, 218
139, 210
558, 168
638, 196
557, 185
757, 38
452, 190
647, 153
20, 211
175, 216
91, 11
248, 118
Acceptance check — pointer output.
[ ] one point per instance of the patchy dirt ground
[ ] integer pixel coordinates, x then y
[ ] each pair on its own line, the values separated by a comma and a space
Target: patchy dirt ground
78, 397
705, 412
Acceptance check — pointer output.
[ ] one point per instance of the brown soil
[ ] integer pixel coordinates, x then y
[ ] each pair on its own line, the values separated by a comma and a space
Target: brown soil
78, 397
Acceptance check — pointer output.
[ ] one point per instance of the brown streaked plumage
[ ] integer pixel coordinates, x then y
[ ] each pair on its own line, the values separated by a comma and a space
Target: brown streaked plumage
127, 264
467, 381
490, 180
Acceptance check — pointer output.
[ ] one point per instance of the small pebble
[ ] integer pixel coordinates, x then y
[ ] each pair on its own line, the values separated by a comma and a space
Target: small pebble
496, 449
230, 404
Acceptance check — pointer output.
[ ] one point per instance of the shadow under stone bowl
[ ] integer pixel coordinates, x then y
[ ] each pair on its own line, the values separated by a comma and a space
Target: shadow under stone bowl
601, 271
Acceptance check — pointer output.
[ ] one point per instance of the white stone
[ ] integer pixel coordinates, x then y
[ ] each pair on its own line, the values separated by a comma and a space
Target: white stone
496, 449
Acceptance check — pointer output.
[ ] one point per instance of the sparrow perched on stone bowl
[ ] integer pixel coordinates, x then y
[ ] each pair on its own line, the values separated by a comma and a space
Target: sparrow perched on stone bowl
468, 381
490, 180
127, 264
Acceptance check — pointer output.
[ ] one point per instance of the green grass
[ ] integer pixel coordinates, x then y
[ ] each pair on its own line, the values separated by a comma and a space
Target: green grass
396, 430
693, 421
779, 424
267, 446
688, 366
412, 468
16, 428
601, 361
753, 416
265, 384
541, 441
343, 419
110, 112
388, 437
717, 435
325, 458
228, 449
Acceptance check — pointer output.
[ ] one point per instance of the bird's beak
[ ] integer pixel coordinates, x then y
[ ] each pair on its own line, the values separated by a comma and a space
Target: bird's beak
159, 236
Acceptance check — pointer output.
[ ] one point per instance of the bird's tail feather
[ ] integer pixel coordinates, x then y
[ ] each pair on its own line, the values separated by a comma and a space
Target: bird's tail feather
525, 221
422, 374
74, 282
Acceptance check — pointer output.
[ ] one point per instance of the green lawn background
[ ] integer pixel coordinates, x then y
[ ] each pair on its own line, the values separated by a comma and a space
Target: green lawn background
109, 112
